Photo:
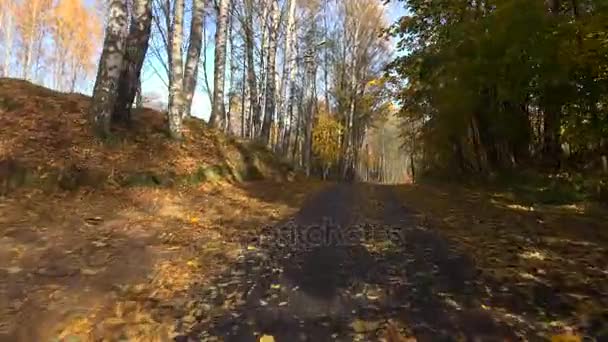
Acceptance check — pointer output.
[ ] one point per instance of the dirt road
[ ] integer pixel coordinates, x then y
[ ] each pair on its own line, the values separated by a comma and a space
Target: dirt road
342, 264
351, 261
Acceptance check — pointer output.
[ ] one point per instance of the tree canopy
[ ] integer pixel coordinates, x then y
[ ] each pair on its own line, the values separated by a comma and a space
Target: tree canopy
496, 84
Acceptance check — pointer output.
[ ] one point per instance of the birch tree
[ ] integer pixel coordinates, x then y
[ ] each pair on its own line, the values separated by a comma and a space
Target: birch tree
110, 66
251, 74
137, 47
7, 24
176, 77
218, 111
32, 18
289, 73
194, 53
273, 28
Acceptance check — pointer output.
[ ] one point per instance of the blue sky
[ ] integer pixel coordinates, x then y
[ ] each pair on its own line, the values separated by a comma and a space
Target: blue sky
201, 106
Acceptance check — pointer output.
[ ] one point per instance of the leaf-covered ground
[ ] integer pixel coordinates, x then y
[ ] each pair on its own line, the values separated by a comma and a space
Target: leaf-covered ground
121, 263
47, 135
300, 262
542, 267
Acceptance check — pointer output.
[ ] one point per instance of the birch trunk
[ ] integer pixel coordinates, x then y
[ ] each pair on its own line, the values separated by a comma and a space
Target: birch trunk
219, 78
110, 65
176, 78
263, 49
251, 76
137, 47
194, 53
270, 71
289, 72
230, 124
8, 38
308, 114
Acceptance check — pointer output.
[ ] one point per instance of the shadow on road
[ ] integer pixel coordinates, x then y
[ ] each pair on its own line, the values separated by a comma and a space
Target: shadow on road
350, 261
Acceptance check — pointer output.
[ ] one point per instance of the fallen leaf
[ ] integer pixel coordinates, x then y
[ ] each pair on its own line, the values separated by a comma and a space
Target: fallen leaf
267, 338
90, 271
14, 269
361, 326
566, 338
99, 244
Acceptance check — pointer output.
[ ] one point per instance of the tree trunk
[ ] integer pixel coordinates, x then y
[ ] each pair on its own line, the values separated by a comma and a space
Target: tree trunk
139, 98
289, 74
194, 53
176, 78
349, 131
308, 113
326, 59
110, 65
243, 99
263, 54
8, 39
232, 85
137, 47
554, 6
481, 154
551, 136
296, 137
218, 112
251, 77
273, 28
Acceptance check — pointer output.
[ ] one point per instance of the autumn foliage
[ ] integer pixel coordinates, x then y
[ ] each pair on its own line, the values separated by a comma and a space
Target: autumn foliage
53, 42
326, 139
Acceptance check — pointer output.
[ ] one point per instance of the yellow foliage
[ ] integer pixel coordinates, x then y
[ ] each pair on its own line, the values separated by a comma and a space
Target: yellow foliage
566, 338
267, 338
326, 139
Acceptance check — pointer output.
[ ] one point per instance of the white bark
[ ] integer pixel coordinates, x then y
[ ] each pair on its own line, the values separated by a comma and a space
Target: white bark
219, 79
176, 78
273, 28
194, 53
137, 47
289, 69
110, 66
7, 32
254, 101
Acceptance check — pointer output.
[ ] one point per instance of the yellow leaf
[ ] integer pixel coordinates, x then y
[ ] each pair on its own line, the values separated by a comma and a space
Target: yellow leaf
566, 338
267, 338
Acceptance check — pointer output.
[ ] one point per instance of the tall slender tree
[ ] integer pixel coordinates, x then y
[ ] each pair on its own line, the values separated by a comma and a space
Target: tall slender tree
289, 74
273, 28
110, 66
176, 77
137, 47
7, 21
251, 74
219, 79
193, 55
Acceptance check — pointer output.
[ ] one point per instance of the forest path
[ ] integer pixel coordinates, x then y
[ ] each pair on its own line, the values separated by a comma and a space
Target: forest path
352, 261
335, 262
